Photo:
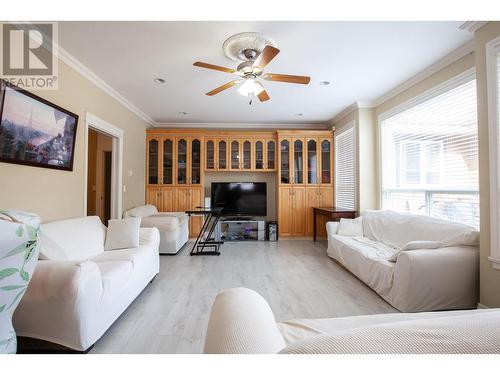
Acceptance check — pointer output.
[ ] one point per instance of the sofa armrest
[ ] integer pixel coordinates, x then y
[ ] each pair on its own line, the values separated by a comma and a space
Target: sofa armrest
64, 280
149, 237
241, 322
332, 227
445, 278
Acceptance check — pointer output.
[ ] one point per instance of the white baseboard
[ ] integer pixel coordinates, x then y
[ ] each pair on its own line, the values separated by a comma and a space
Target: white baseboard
481, 306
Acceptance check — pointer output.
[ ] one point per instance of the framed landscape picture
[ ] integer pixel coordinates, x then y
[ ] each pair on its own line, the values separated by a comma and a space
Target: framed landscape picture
34, 131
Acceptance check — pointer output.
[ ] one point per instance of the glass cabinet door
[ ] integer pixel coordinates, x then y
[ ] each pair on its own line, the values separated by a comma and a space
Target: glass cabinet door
285, 161
259, 155
326, 157
182, 161
210, 155
247, 155
153, 154
195, 162
298, 165
271, 152
235, 155
222, 155
312, 162
168, 162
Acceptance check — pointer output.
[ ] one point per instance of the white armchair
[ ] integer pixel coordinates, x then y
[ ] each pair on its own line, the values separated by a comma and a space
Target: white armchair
173, 226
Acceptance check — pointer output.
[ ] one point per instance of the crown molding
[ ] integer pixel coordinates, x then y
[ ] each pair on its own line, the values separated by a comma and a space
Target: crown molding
450, 58
242, 125
77, 65
472, 26
349, 109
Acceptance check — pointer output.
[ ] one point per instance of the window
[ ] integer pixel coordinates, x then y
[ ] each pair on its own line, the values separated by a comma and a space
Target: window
493, 78
429, 155
345, 169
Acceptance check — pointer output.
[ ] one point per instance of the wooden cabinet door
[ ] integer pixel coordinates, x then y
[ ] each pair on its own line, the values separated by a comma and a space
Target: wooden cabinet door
195, 161
326, 161
210, 154
312, 200
166, 199
259, 160
234, 155
285, 211
167, 160
182, 160
196, 200
246, 154
153, 197
298, 211
182, 201
270, 158
312, 161
284, 167
298, 157
222, 155
153, 161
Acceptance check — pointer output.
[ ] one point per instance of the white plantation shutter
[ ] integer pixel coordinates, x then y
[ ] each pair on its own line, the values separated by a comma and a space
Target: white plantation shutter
345, 169
429, 157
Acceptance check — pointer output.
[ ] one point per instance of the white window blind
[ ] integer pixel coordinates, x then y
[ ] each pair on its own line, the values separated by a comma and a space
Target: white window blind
345, 169
429, 157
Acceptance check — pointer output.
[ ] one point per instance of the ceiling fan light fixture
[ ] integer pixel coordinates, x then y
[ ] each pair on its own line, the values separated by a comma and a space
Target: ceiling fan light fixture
250, 87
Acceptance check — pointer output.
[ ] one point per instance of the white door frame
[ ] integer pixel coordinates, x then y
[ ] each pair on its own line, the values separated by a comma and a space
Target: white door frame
94, 122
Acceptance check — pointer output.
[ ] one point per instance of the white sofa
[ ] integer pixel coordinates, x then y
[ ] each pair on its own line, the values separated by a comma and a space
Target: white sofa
419, 280
173, 226
75, 296
241, 322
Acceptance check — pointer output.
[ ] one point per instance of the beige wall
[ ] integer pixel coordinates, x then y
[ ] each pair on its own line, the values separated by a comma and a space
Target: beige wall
57, 194
268, 177
489, 277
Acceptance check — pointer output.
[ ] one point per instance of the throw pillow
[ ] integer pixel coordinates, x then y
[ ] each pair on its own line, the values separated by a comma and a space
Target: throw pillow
123, 233
351, 227
416, 245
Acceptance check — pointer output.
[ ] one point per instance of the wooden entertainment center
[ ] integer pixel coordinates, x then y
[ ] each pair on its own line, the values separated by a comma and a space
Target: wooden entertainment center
177, 160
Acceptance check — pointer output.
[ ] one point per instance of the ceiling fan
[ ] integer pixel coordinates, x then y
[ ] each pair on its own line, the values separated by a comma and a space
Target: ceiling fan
250, 71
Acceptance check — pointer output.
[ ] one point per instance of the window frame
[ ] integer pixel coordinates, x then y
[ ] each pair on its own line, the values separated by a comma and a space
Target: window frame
422, 165
493, 81
450, 84
351, 125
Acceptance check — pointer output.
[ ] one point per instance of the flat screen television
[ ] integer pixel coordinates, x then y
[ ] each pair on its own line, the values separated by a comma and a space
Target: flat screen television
240, 198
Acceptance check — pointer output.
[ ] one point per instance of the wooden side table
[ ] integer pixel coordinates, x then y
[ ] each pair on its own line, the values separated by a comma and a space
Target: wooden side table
333, 213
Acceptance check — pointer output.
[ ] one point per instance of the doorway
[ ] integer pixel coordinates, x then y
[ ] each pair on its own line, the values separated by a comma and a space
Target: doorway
99, 175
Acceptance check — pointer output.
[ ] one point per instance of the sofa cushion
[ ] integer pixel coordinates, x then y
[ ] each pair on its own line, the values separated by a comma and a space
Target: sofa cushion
396, 229
351, 227
72, 239
123, 233
140, 211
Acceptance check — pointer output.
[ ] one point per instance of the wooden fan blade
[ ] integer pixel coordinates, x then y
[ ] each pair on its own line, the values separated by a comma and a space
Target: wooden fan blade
286, 78
263, 94
221, 88
214, 67
265, 57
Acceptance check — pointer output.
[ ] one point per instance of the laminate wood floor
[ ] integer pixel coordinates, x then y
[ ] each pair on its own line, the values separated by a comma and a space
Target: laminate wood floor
296, 277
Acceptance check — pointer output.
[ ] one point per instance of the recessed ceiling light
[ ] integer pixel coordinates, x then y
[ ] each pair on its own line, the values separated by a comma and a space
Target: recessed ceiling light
159, 80
324, 83
183, 113
299, 114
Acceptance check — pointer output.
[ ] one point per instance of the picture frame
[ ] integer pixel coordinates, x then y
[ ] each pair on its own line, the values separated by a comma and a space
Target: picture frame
34, 131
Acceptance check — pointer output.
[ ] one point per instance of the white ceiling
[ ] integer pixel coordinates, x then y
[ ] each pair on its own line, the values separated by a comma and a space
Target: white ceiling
362, 60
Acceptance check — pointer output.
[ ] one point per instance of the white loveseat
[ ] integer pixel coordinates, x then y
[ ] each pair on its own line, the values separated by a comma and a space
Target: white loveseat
441, 278
76, 296
241, 322
173, 226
